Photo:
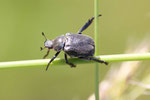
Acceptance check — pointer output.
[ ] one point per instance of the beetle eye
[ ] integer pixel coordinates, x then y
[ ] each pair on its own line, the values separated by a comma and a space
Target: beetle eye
48, 44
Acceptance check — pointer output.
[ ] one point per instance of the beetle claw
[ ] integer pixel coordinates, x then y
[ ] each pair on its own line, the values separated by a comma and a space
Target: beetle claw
72, 65
106, 63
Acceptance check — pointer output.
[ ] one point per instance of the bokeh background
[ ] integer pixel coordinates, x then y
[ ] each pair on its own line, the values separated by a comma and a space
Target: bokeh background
21, 24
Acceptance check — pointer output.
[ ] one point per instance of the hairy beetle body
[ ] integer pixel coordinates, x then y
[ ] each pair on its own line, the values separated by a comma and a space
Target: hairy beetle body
74, 45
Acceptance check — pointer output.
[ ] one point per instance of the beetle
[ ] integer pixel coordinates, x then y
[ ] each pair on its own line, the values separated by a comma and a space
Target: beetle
74, 45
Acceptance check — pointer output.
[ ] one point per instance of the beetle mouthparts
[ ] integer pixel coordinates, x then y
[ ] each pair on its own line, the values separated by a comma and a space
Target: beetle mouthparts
41, 48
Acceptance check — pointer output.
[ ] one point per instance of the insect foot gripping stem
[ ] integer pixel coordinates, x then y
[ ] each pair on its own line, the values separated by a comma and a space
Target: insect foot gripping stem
94, 59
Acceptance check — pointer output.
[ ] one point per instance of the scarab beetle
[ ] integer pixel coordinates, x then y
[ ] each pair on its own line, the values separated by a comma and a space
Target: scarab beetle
74, 45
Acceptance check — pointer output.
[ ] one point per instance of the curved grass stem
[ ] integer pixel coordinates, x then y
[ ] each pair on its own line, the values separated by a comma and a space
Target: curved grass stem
61, 62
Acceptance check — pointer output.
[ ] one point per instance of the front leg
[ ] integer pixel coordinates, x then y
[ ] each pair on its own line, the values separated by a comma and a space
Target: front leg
52, 59
94, 59
46, 54
66, 59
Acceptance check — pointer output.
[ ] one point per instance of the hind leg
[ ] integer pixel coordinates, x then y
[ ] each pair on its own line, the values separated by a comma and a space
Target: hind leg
94, 59
87, 24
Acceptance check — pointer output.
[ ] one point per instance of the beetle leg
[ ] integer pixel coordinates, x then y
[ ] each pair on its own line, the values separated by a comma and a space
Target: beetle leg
94, 59
87, 24
52, 60
46, 54
66, 59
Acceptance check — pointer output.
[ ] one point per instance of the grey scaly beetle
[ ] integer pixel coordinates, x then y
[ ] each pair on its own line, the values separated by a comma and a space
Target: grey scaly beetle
74, 45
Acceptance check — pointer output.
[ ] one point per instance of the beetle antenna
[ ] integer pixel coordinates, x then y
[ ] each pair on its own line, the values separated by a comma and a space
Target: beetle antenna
44, 35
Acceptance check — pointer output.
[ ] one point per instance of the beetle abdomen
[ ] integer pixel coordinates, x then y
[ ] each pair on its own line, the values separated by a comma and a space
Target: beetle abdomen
78, 45
75, 52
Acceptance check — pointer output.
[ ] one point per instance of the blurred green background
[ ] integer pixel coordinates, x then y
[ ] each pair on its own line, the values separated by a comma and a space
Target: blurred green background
21, 24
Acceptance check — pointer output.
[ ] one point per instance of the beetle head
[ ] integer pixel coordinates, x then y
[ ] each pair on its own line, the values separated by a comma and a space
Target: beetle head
48, 43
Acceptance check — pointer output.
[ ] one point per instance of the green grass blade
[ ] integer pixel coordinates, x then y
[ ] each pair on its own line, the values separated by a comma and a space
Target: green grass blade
61, 62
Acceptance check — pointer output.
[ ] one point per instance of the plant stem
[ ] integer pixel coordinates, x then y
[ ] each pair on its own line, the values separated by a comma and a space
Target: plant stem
125, 57
96, 81
96, 26
60, 62
96, 13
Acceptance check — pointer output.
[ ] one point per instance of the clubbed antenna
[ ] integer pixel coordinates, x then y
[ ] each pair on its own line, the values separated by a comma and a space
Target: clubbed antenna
41, 48
44, 36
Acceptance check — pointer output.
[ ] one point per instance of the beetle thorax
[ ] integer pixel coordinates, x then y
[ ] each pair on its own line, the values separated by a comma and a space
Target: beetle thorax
58, 43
